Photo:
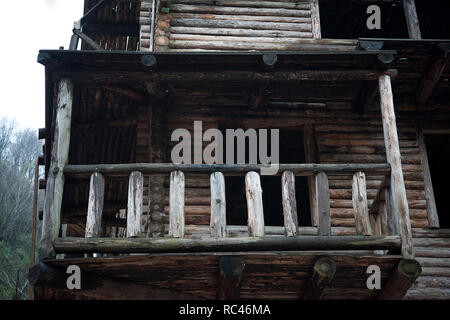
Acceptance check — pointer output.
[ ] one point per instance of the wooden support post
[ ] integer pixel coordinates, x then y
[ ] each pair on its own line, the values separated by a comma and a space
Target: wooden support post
218, 224
91, 43
95, 206
230, 277
433, 218
359, 199
289, 204
322, 275
253, 193
366, 97
176, 200
55, 180
392, 217
432, 76
399, 199
323, 197
33, 222
412, 20
134, 208
315, 19
309, 141
403, 278
384, 225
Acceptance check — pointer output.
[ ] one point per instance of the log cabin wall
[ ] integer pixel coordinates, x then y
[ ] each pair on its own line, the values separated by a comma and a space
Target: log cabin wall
182, 25
115, 26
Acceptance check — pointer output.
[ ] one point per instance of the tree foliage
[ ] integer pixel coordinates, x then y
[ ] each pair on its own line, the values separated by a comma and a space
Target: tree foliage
18, 151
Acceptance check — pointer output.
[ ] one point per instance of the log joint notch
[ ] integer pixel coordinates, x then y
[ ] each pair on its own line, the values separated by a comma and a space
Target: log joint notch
322, 275
230, 277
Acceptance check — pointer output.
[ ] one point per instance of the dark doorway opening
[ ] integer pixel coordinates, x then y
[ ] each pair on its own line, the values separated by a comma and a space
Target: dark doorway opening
291, 151
342, 19
438, 152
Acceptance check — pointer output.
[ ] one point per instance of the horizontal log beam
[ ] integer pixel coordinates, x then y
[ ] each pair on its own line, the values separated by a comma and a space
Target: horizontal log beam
148, 245
308, 169
120, 76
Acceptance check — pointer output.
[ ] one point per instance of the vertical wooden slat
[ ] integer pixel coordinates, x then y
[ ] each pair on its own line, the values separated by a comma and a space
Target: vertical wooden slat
134, 209
315, 19
95, 206
323, 203
218, 224
289, 204
412, 20
392, 217
433, 218
230, 277
176, 202
311, 157
55, 179
33, 222
359, 199
383, 218
253, 193
399, 199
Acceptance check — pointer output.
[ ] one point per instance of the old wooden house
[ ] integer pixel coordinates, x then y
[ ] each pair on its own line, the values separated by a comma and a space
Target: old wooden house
363, 117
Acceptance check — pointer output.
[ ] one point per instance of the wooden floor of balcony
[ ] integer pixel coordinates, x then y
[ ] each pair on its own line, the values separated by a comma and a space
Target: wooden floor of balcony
237, 275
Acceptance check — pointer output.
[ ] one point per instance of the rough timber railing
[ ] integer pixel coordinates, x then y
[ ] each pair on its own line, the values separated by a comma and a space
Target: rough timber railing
364, 239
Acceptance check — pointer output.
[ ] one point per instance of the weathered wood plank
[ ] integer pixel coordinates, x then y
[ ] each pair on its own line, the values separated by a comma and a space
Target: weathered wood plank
398, 191
360, 209
95, 206
323, 204
134, 208
433, 218
176, 200
253, 192
309, 140
322, 275
431, 78
298, 243
59, 159
218, 224
315, 19
230, 277
412, 21
289, 204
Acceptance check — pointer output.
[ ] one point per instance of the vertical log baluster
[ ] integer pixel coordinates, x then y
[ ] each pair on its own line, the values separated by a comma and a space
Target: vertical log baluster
323, 203
176, 202
360, 209
253, 193
218, 224
95, 206
134, 209
289, 204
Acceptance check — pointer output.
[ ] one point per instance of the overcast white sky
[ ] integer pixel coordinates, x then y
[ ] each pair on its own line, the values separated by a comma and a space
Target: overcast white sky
25, 27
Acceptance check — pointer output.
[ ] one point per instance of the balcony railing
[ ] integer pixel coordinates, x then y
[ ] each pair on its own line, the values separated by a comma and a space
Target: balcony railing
373, 225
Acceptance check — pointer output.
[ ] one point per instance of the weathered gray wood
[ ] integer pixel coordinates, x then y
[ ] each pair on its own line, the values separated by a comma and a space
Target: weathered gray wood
298, 243
309, 140
432, 77
360, 209
322, 275
392, 217
303, 169
380, 197
289, 204
91, 43
323, 204
433, 218
253, 192
230, 277
134, 209
403, 278
412, 21
218, 225
398, 191
315, 19
176, 200
59, 158
95, 206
